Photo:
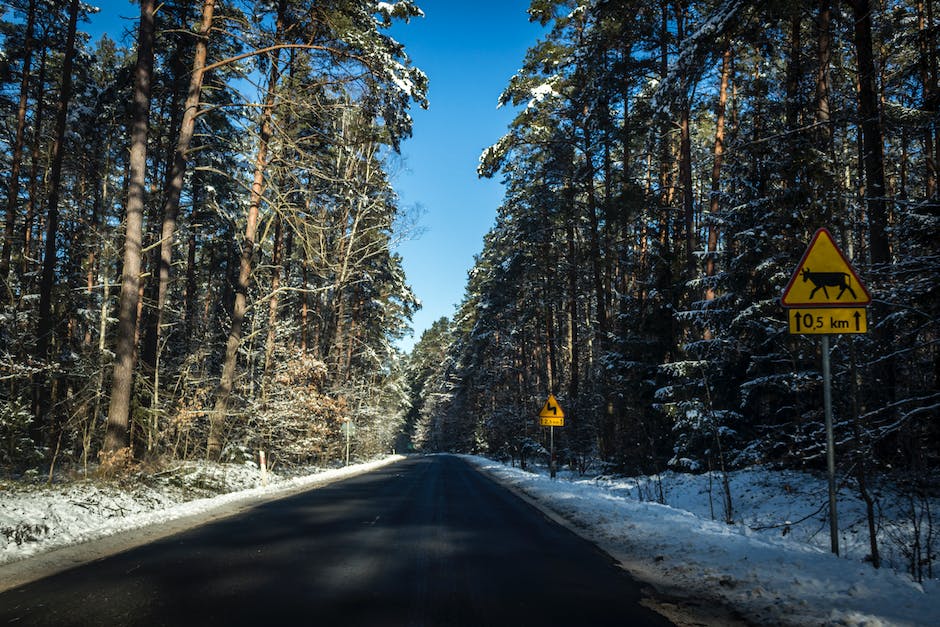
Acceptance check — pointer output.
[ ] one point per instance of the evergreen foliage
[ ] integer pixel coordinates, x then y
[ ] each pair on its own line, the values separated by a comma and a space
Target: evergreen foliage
326, 298
667, 166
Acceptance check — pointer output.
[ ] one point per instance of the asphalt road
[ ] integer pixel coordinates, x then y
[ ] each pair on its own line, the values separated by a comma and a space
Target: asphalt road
426, 541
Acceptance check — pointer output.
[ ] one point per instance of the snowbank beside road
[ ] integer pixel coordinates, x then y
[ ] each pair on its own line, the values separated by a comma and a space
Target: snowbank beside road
770, 576
35, 520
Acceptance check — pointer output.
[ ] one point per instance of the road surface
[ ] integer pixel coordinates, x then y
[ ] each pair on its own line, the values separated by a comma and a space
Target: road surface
426, 541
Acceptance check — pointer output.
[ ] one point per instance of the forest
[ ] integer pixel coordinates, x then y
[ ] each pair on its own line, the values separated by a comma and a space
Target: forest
199, 229
200, 225
199, 233
667, 166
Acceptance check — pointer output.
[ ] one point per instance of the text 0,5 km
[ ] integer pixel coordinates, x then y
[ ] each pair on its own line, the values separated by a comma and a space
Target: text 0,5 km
828, 320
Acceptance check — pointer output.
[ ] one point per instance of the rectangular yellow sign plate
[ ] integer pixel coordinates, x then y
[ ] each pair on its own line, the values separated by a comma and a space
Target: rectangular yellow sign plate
828, 321
552, 421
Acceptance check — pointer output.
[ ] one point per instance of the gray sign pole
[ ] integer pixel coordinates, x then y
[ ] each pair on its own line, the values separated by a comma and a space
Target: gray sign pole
829, 315
830, 446
551, 458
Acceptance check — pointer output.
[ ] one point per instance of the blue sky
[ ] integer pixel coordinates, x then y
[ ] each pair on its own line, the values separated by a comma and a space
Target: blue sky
469, 50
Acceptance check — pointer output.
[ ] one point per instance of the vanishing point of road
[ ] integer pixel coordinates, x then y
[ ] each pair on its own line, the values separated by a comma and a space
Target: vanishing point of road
425, 541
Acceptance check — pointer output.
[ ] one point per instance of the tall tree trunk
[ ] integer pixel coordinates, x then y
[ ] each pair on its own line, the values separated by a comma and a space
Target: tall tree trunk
934, 97
660, 257
931, 97
339, 314
685, 161
714, 203
598, 279
351, 331
232, 344
94, 221
116, 436
792, 99
829, 199
666, 183
550, 269
174, 180
873, 163
190, 297
597, 273
304, 308
550, 359
574, 347
35, 178
45, 325
824, 56
272, 306
685, 180
873, 142
18, 146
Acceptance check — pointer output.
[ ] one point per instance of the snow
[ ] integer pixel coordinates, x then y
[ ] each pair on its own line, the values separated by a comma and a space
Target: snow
773, 565
543, 91
770, 568
389, 9
36, 520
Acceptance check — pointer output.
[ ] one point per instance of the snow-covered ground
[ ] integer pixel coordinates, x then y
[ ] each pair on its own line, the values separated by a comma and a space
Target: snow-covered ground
768, 566
773, 565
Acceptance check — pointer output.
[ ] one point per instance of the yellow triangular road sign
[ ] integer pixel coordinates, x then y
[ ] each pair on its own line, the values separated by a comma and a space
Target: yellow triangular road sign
824, 278
552, 409
552, 414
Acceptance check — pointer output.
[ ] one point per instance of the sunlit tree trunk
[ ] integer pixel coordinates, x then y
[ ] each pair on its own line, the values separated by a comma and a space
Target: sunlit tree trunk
174, 180
232, 344
116, 436
714, 203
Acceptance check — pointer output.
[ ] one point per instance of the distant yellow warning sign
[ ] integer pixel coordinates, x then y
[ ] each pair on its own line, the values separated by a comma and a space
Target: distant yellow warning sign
552, 414
824, 278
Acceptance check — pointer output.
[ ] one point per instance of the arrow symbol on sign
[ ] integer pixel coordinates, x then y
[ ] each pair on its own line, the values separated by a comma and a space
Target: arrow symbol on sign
857, 318
552, 410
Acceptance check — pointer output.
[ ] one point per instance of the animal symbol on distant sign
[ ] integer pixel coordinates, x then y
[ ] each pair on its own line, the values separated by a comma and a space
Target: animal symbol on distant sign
822, 280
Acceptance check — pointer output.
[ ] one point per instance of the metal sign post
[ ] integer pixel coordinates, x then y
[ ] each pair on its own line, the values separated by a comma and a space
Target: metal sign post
551, 458
815, 310
830, 447
552, 416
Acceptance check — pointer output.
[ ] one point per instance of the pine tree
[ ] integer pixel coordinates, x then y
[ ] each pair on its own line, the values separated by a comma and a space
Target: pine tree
125, 357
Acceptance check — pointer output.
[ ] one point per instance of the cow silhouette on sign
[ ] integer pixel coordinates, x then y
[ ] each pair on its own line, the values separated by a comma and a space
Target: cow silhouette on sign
822, 280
